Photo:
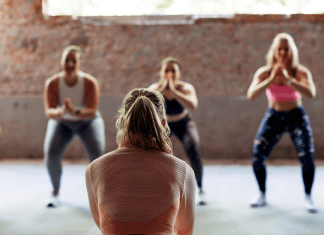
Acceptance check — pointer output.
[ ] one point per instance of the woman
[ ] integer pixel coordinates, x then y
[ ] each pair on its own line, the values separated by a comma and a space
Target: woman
71, 102
284, 81
180, 97
140, 188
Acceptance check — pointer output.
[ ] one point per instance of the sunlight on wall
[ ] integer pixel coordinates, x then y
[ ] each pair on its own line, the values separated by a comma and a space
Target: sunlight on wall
180, 7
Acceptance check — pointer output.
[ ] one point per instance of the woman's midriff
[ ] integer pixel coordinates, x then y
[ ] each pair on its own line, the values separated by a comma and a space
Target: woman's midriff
178, 117
284, 106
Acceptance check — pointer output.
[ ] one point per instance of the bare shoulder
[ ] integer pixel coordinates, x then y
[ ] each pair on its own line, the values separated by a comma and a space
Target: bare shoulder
186, 86
154, 86
89, 78
302, 70
53, 80
303, 74
262, 73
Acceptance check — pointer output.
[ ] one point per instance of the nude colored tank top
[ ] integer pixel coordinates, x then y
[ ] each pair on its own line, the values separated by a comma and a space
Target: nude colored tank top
75, 93
134, 191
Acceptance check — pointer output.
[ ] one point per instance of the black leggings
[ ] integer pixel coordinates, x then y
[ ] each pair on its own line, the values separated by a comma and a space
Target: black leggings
272, 127
187, 132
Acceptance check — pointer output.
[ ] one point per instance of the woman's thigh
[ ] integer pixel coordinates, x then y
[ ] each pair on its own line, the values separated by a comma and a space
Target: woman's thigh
57, 137
92, 135
270, 131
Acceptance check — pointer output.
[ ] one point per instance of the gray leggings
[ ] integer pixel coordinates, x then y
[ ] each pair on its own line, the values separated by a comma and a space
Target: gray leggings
60, 133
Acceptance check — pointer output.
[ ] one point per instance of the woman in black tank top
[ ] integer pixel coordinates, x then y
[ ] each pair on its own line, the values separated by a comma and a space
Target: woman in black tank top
179, 98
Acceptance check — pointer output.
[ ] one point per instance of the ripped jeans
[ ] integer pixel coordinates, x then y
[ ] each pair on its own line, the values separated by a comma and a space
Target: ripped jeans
273, 126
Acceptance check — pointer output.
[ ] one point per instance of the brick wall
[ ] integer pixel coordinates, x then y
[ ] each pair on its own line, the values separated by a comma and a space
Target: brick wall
219, 57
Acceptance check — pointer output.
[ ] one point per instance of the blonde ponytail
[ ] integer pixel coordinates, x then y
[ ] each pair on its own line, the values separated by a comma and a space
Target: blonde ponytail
140, 121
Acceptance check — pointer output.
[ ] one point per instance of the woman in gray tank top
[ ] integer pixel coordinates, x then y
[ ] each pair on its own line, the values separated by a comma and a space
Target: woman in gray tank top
71, 101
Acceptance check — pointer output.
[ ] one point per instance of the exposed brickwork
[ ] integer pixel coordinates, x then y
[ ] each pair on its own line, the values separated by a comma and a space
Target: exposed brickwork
219, 56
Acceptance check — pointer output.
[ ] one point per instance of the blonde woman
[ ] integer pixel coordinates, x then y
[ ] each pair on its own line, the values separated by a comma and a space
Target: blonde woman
71, 100
141, 188
180, 97
284, 81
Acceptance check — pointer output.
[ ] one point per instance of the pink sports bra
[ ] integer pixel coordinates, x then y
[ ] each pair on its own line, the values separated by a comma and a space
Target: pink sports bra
282, 93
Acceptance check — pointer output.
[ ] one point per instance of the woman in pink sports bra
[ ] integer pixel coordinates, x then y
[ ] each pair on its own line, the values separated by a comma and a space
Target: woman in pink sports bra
284, 81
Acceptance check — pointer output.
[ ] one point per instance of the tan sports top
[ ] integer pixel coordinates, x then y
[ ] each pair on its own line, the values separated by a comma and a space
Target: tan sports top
136, 191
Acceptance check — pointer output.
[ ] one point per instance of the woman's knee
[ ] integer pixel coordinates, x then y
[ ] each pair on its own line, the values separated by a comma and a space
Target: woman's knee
259, 155
193, 133
52, 161
258, 162
259, 148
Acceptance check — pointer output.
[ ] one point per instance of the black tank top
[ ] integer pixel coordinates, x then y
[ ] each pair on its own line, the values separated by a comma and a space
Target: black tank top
173, 107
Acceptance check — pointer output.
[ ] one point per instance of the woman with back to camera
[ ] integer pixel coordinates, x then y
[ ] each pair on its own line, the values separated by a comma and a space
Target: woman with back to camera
284, 81
71, 102
141, 188
180, 97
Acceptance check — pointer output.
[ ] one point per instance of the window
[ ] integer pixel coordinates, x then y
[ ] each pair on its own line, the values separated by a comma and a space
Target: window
180, 7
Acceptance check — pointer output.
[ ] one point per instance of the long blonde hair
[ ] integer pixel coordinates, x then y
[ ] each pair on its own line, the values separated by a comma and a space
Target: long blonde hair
283, 36
140, 121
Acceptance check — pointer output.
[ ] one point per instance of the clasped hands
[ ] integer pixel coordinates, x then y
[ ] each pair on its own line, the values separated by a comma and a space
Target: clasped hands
68, 107
279, 75
167, 86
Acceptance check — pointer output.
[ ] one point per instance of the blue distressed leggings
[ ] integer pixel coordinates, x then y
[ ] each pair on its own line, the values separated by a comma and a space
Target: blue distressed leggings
59, 134
187, 132
273, 126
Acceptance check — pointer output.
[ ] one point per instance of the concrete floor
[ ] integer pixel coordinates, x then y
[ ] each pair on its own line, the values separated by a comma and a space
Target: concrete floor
25, 186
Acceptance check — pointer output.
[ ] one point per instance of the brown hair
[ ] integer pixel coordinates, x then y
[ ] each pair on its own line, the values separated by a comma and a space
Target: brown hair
283, 36
170, 59
140, 121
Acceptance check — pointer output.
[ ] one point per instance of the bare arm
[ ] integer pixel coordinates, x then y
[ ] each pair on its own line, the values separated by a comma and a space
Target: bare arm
154, 86
160, 86
186, 216
51, 99
93, 200
303, 83
186, 95
261, 81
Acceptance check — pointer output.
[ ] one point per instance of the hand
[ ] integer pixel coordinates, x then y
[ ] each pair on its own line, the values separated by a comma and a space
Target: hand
171, 84
162, 85
69, 106
61, 112
275, 71
277, 77
285, 73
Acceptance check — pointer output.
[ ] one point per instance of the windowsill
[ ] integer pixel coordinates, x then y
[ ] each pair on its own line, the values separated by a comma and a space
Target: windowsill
189, 19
